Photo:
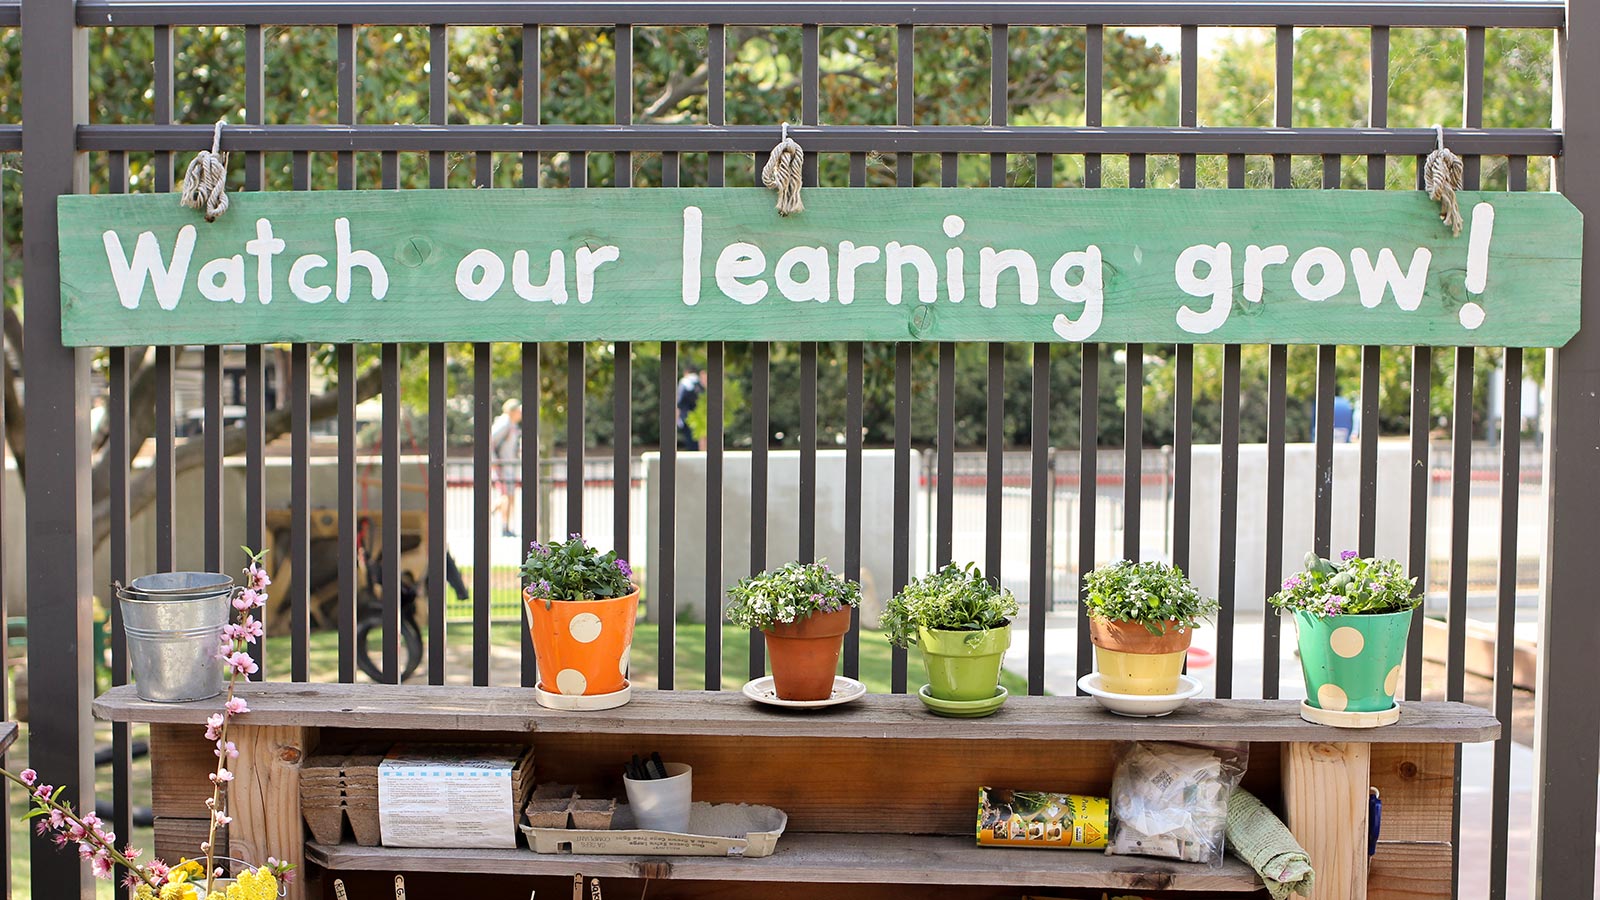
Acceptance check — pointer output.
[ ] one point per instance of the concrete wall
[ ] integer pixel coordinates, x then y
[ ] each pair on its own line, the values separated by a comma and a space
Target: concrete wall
783, 519
1299, 491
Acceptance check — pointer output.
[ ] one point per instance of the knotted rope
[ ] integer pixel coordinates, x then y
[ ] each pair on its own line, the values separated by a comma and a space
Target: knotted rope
1441, 175
205, 182
783, 173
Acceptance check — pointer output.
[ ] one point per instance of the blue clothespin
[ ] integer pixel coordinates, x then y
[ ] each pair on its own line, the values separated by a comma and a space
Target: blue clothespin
1374, 821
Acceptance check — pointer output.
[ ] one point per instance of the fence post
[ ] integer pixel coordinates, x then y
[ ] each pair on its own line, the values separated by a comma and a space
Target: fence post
1567, 736
56, 380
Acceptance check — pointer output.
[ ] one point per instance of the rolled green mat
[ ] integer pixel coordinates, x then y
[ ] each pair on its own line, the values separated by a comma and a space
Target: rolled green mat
1261, 839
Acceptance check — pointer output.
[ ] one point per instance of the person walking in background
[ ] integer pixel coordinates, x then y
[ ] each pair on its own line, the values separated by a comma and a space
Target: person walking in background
505, 452
689, 390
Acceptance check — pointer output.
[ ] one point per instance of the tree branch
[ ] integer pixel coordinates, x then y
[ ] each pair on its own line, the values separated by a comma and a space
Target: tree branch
142, 489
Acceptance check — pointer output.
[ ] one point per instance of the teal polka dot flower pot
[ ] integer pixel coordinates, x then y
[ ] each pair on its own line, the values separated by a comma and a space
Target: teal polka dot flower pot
1352, 663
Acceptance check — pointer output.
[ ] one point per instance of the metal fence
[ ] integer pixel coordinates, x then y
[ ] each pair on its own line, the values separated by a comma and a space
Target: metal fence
58, 145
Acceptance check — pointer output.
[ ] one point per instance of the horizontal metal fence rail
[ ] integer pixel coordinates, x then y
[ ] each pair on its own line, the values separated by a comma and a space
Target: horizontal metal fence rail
824, 139
58, 436
1399, 14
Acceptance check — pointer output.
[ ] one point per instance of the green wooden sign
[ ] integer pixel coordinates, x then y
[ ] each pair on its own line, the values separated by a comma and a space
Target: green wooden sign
1197, 266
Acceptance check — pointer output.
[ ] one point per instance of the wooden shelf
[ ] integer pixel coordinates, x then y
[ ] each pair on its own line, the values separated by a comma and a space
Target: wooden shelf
826, 858
729, 713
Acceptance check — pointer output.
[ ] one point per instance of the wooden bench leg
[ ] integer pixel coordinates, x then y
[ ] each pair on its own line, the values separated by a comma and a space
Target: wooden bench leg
264, 799
1325, 790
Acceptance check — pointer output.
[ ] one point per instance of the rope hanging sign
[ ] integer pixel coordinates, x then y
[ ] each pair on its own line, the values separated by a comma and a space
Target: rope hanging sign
784, 173
205, 182
1441, 175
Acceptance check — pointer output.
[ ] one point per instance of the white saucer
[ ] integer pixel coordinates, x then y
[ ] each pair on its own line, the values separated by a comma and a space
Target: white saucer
1140, 706
845, 689
584, 702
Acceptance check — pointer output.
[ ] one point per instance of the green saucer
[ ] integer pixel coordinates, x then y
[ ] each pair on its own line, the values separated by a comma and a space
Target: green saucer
963, 709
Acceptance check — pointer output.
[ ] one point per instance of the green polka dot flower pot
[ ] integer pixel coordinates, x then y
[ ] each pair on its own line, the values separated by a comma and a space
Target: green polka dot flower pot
1352, 663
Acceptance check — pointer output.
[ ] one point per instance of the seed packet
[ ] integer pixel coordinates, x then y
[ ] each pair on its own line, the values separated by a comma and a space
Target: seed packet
1171, 799
1008, 818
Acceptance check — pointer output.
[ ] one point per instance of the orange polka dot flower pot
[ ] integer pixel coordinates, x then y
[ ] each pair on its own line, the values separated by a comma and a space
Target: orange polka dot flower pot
1352, 663
582, 606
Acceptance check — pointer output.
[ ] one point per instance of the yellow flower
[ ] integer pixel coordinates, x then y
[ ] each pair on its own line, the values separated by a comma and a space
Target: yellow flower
144, 892
179, 890
258, 885
186, 870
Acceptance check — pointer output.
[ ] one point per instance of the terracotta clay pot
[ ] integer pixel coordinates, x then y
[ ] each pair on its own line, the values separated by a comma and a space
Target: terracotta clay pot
582, 645
1131, 660
805, 654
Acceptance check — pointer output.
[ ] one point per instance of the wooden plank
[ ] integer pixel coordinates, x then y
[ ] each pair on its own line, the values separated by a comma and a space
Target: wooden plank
1417, 783
1325, 802
845, 858
429, 708
178, 837
264, 799
181, 764
8, 735
433, 885
1409, 870
720, 264
856, 785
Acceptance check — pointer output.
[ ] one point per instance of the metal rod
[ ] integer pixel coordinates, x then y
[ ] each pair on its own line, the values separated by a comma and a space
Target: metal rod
666, 608
485, 470
1088, 477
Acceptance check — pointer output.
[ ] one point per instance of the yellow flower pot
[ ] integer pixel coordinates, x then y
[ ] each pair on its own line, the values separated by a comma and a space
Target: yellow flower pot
1145, 674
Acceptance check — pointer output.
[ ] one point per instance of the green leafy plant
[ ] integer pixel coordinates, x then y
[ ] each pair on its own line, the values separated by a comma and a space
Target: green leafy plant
955, 598
573, 570
1151, 593
1352, 585
788, 594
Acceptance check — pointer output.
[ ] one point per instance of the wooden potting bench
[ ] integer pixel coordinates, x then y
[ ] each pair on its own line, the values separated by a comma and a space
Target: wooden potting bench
879, 793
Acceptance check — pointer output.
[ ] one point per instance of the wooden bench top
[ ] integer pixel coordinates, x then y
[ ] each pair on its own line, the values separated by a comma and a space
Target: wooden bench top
729, 713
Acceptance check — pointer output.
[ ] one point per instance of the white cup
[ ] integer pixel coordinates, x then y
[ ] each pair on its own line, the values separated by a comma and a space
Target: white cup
662, 804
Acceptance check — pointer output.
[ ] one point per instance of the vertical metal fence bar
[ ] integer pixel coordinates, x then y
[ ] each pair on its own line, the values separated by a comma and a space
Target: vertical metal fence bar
117, 452
1421, 463
716, 97
621, 445
163, 465
622, 103
484, 472
59, 550
255, 501
345, 370
1283, 99
255, 68
944, 543
532, 485
902, 478
300, 516
1132, 448
808, 451
1228, 492
1322, 431
390, 506
1182, 456
854, 389
905, 107
666, 549
1088, 482
1188, 96
349, 527
438, 98
1041, 491
1277, 387
760, 434
575, 402
438, 505
1093, 95
714, 439
810, 90
1372, 356
532, 394
1460, 521
994, 426
212, 433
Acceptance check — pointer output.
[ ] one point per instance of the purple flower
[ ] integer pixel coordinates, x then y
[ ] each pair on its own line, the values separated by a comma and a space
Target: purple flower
539, 548
1347, 555
575, 537
1292, 582
624, 568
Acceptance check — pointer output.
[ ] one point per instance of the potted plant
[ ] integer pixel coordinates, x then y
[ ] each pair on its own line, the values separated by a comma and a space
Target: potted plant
962, 622
582, 605
1353, 615
803, 609
1142, 618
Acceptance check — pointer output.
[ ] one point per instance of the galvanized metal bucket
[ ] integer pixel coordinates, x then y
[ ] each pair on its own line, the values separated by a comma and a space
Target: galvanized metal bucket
173, 622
